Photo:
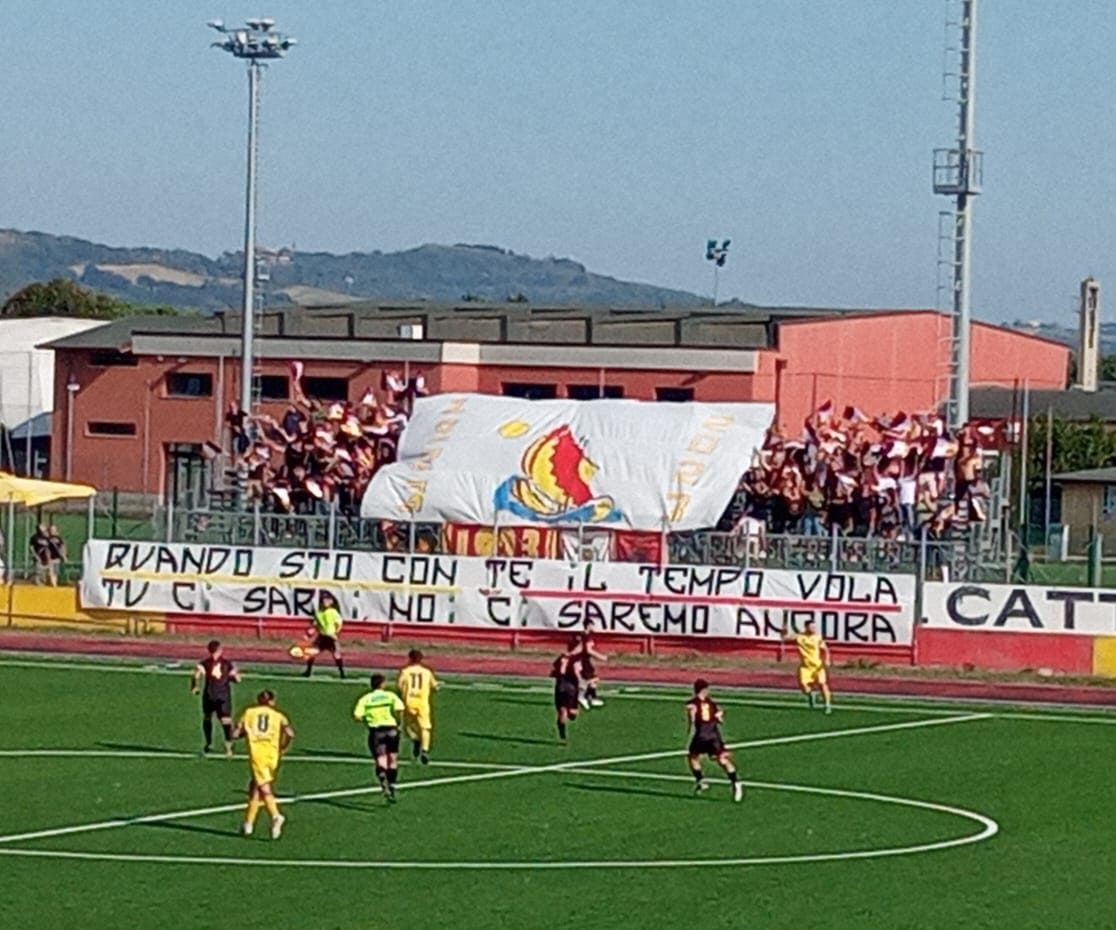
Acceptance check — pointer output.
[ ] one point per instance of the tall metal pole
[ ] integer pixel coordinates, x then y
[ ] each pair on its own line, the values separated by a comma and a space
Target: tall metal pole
1049, 471
71, 390
255, 42
1025, 444
247, 359
957, 174
27, 449
963, 243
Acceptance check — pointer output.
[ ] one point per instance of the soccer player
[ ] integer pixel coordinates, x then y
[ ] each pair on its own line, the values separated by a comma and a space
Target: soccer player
587, 672
377, 710
326, 633
813, 662
415, 683
565, 672
705, 718
213, 679
268, 733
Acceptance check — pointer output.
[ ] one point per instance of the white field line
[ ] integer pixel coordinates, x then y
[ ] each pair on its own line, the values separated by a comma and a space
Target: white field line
989, 828
483, 776
899, 704
219, 757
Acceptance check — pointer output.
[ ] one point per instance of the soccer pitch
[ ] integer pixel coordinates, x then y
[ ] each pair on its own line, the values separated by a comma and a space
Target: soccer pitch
885, 814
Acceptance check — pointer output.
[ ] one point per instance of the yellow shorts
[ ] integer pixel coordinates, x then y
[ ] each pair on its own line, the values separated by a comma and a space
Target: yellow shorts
264, 767
417, 717
812, 675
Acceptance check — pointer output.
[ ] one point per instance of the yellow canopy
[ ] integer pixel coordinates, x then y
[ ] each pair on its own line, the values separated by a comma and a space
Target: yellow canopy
31, 492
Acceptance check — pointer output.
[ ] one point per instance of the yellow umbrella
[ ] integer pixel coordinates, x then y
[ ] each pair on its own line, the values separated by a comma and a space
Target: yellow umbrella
31, 492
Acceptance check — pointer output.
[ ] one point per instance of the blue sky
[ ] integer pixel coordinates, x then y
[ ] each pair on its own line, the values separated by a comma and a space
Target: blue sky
620, 134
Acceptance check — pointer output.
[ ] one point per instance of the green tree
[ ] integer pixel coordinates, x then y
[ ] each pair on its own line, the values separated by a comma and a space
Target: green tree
1074, 446
63, 297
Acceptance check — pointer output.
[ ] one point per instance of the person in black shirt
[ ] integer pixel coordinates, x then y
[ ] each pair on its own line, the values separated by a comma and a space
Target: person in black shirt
705, 718
40, 547
564, 671
213, 678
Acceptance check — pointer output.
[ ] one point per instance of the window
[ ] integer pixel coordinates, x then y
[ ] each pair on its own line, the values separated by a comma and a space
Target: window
593, 391
1109, 501
326, 388
110, 428
187, 474
530, 391
105, 358
674, 395
272, 387
189, 384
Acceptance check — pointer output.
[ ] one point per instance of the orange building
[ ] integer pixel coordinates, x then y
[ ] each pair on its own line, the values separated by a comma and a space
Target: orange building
135, 401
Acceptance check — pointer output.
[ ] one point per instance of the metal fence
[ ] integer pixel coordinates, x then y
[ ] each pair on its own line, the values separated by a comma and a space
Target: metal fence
959, 558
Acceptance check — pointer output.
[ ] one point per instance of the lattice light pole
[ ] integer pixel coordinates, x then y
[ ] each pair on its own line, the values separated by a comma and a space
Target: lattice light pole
957, 173
256, 42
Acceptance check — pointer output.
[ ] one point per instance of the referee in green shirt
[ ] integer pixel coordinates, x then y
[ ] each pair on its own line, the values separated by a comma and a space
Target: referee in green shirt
326, 633
377, 710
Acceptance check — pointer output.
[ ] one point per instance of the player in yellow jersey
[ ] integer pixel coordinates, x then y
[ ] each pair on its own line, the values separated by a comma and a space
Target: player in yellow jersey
268, 733
813, 662
415, 683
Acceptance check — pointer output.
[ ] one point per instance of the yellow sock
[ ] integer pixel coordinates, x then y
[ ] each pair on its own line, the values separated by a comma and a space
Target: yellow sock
272, 805
426, 740
253, 810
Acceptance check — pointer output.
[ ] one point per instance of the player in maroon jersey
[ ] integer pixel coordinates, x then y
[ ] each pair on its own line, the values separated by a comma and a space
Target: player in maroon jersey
587, 672
213, 679
705, 718
564, 670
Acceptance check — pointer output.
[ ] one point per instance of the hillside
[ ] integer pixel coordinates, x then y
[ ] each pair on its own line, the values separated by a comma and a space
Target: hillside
1067, 335
434, 272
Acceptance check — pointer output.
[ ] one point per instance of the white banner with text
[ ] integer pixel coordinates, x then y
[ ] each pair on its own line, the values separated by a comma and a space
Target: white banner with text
613, 464
1019, 608
497, 593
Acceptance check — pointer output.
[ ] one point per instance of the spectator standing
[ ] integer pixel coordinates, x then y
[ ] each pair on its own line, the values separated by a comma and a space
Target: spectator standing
57, 551
40, 552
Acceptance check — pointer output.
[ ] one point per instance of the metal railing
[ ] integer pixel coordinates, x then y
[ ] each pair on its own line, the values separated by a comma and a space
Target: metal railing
956, 558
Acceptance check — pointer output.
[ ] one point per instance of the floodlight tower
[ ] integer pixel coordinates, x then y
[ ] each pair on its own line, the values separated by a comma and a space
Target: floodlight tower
957, 173
717, 254
256, 42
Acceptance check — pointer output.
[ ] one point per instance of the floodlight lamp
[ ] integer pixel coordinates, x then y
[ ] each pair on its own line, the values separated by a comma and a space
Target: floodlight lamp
217, 24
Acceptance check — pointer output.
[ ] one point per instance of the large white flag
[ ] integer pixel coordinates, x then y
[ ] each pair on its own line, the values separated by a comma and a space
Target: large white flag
621, 464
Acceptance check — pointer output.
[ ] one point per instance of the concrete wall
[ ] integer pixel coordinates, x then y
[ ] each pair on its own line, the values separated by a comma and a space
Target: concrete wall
33, 607
883, 363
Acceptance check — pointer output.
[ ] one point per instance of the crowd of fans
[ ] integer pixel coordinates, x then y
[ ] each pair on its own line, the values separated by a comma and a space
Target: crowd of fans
887, 477
883, 477
321, 453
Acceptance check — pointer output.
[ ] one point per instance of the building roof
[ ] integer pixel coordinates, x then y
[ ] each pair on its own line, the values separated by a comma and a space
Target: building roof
318, 329
998, 403
1088, 476
27, 372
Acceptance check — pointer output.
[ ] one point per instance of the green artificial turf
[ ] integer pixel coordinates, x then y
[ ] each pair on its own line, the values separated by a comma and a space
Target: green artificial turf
134, 734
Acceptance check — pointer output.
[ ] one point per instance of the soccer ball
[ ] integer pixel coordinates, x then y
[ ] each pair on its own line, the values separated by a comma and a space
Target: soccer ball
302, 651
